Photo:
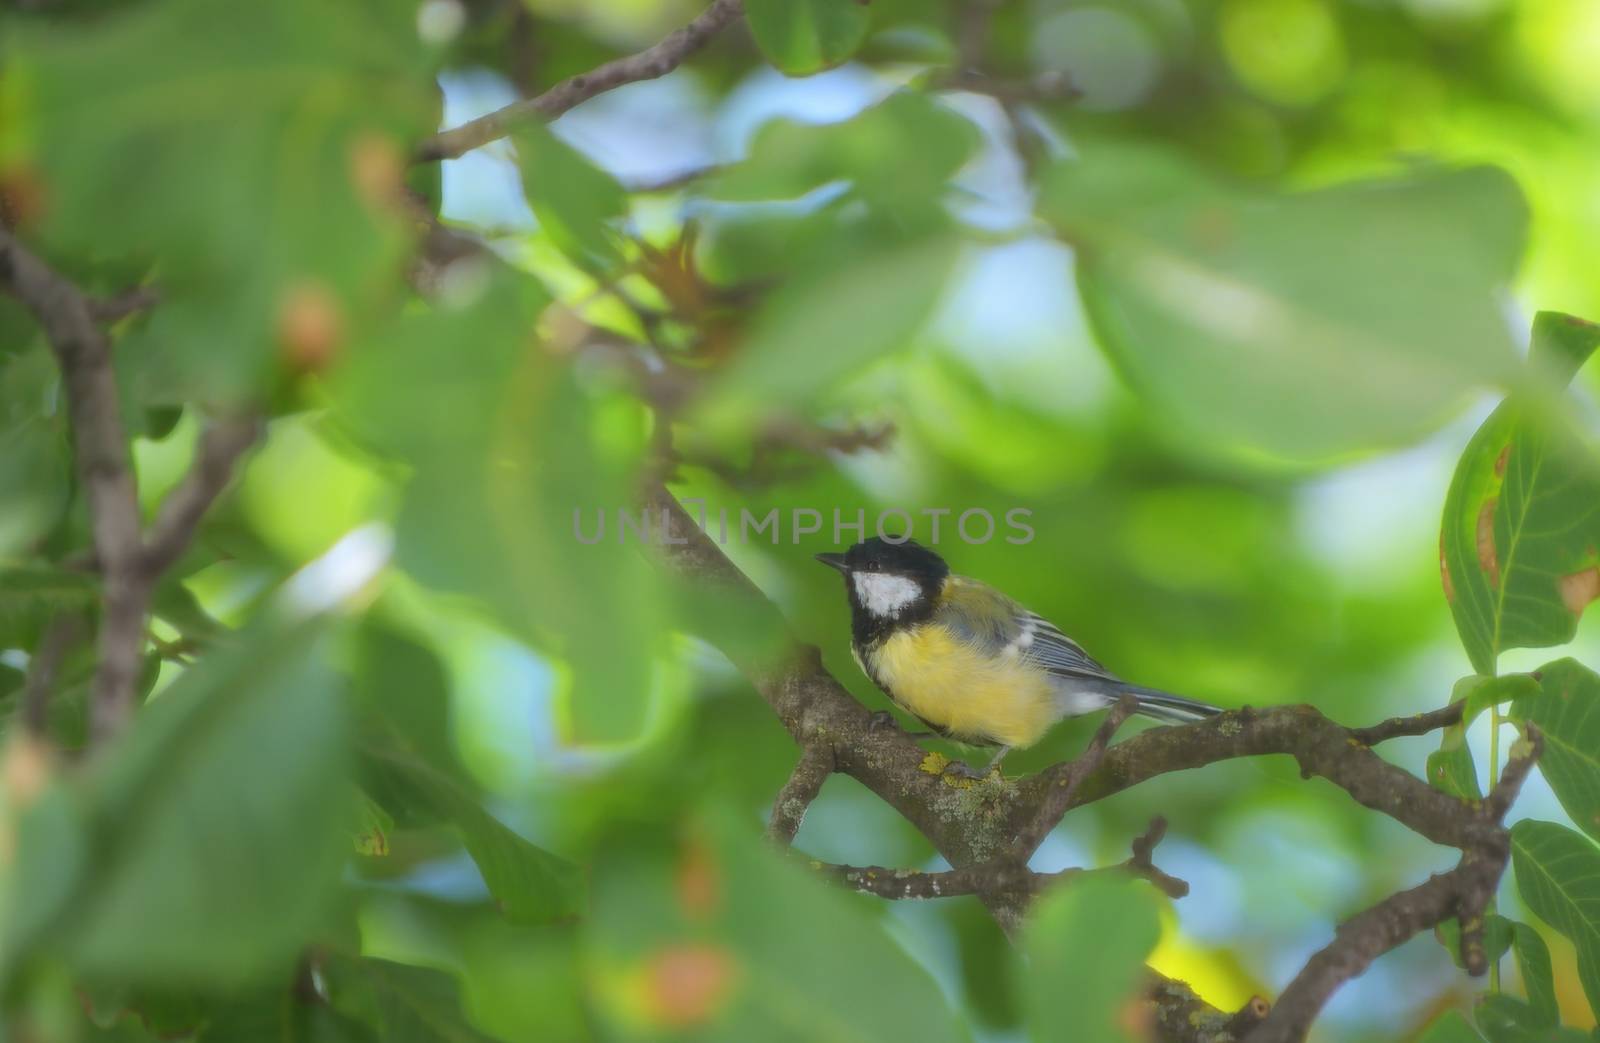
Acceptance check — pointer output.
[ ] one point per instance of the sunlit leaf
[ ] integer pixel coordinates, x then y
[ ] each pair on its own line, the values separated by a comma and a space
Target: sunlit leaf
827, 324
1087, 944
1522, 518
1259, 322
505, 446
897, 154
1495, 691
801, 37
1558, 875
574, 200
1567, 713
1451, 767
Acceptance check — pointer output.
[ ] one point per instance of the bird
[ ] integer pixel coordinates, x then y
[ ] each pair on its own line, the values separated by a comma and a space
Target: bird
969, 662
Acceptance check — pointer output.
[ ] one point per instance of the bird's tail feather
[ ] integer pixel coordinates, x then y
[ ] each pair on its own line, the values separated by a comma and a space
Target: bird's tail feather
1164, 706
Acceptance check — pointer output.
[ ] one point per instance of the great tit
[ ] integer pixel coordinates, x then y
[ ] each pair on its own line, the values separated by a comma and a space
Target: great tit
969, 662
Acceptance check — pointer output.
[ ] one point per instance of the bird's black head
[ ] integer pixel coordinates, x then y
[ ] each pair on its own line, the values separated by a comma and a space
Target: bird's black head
889, 584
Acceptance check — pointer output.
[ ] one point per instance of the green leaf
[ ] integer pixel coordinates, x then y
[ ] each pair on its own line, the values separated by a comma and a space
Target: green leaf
801, 37
1257, 320
1505, 1019
1567, 713
31, 595
282, 1016
1497, 931
1493, 691
266, 160
508, 446
403, 1004
52, 845
574, 200
1538, 980
218, 835
1522, 517
1451, 1028
35, 456
529, 884
1558, 875
404, 693
898, 156
1086, 945
827, 324
759, 937
176, 605
1451, 767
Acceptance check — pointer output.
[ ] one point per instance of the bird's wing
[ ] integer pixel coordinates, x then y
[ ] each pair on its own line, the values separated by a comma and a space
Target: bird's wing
1000, 626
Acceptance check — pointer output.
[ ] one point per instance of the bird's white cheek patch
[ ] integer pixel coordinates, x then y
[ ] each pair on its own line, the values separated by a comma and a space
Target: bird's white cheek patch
883, 594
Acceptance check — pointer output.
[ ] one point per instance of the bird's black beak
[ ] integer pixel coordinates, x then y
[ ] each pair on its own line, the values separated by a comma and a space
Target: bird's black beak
834, 561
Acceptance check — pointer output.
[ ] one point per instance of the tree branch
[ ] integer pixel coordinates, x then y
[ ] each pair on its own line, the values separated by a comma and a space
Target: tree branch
128, 566
648, 64
218, 451
997, 878
1416, 724
1055, 800
101, 449
974, 823
128, 302
805, 782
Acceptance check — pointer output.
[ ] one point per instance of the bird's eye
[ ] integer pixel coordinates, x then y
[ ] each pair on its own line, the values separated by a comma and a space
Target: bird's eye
872, 566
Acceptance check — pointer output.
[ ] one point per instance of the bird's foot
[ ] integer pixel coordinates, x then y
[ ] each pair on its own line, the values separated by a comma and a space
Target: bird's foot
962, 771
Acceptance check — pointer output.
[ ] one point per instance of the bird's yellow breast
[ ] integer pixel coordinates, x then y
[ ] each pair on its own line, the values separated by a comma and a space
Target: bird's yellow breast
948, 683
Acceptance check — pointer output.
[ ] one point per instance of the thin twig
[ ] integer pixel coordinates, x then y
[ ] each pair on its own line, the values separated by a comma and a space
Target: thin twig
129, 302
64, 631
805, 782
671, 182
1416, 724
1461, 893
648, 64
219, 449
101, 447
1055, 801
1142, 863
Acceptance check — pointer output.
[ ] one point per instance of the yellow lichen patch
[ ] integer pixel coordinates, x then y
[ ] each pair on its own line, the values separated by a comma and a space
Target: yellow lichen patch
1580, 588
934, 763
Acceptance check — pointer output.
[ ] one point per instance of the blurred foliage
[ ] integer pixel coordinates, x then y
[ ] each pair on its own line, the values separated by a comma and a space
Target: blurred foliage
431, 751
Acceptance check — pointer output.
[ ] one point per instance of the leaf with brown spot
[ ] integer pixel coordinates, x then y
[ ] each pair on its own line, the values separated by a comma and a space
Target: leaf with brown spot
1522, 518
1580, 588
1487, 559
